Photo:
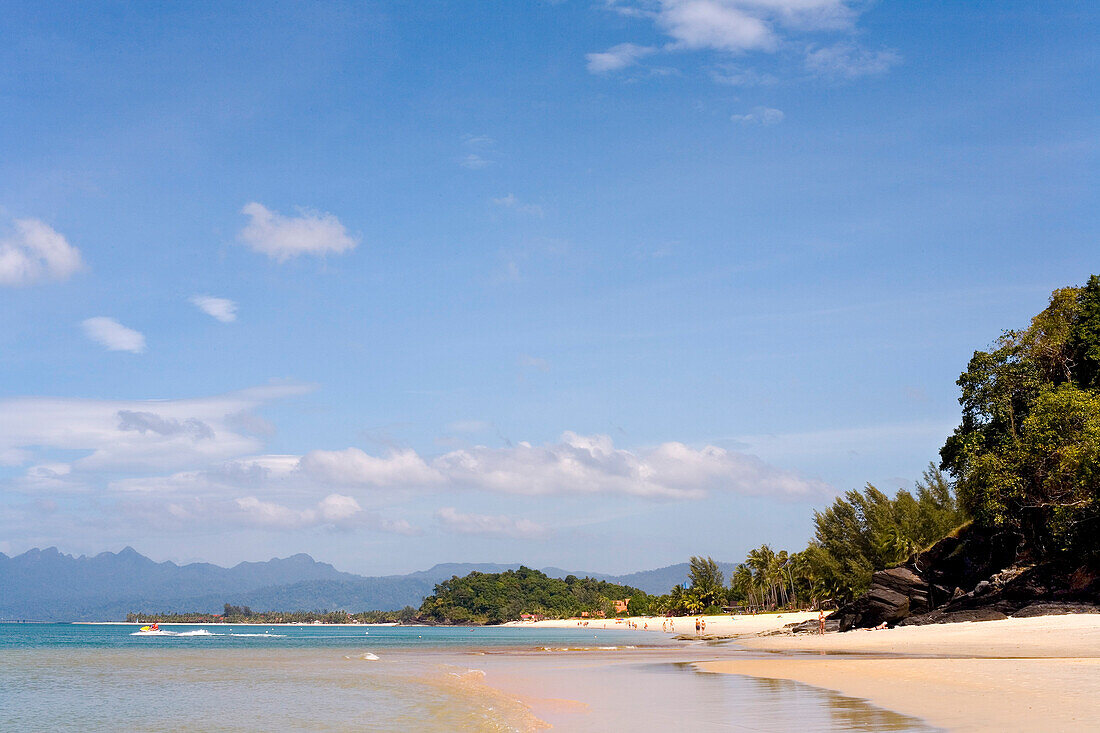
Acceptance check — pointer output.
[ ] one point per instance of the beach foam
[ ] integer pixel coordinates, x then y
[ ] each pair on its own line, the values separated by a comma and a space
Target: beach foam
365, 656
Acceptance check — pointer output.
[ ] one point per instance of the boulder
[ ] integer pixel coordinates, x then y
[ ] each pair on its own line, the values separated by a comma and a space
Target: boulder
894, 594
975, 575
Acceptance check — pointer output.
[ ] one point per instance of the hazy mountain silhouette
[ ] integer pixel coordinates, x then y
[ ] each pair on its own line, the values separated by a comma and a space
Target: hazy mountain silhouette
46, 585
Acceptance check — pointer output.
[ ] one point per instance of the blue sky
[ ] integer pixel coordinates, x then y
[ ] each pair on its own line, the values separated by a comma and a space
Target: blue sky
592, 284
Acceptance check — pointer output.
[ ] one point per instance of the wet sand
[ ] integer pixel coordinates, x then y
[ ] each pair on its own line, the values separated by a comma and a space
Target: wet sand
659, 689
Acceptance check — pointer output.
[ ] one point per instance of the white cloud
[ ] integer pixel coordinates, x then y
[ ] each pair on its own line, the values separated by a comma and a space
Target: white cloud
490, 526
223, 309
474, 162
715, 24
617, 57
481, 149
55, 478
741, 27
35, 253
766, 116
592, 465
351, 467
335, 509
576, 464
511, 202
739, 76
478, 142
284, 237
251, 473
119, 435
848, 61
113, 336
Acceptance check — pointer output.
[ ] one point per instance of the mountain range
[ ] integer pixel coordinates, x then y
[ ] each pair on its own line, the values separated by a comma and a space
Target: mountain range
47, 585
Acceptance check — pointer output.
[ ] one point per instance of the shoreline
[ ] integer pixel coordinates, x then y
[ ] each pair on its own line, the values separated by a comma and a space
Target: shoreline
193, 623
1013, 674
724, 626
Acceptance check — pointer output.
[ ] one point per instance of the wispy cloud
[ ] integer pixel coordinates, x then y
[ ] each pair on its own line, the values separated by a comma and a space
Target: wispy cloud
337, 511
284, 237
126, 435
474, 162
736, 28
35, 253
113, 336
579, 464
489, 526
760, 116
352, 466
574, 465
480, 152
617, 57
223, 309
848, 61
511, 202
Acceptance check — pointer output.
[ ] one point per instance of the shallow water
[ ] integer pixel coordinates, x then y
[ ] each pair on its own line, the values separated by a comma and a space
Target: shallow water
78, 677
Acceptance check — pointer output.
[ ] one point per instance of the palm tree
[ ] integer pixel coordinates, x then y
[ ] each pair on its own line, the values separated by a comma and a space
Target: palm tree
765, 567
742, 582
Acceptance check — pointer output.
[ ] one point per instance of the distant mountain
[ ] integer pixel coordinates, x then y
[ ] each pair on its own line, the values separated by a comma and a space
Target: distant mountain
662, 580
46, 585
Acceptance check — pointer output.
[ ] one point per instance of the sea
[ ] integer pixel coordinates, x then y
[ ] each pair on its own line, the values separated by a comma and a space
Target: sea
113, 677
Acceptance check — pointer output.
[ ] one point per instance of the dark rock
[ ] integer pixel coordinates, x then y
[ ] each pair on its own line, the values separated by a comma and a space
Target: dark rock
812, 626
975, 575
955, 617
894, 594
1055, 609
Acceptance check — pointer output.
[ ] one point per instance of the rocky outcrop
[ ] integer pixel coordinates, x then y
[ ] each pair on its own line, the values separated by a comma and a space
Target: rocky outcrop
894, 594
974, 575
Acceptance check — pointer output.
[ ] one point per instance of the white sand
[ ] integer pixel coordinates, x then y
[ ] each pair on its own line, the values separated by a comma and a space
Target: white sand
1017, 674
682, 625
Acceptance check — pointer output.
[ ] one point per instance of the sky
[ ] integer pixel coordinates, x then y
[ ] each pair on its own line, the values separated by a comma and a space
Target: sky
598, 284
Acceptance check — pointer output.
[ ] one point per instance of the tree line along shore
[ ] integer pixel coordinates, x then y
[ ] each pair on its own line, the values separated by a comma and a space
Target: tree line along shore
1008, 519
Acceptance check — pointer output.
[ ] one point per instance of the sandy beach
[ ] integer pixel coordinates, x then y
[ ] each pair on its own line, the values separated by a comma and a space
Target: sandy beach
716, 626
1038, 673
1017, 674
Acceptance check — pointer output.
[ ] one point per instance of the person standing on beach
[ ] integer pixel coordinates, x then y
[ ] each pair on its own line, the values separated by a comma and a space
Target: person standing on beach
821, 621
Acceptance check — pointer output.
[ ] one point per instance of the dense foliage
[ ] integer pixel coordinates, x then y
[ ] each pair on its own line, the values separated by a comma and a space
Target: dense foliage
859, 533
245, 615
490, 598
1027, 453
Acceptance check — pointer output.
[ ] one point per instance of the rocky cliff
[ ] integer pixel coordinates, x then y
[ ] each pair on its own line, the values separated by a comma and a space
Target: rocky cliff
974, 575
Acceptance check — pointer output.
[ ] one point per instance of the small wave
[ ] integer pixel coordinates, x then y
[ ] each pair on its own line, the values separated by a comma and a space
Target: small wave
269, 636
469, 674
200, 632
365, 656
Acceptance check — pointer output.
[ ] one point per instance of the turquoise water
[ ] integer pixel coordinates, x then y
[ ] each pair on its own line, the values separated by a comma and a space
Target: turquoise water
252, 636
352, 678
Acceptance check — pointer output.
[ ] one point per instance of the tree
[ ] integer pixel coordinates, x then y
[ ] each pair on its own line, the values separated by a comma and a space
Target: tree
1026, 456
707, 581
